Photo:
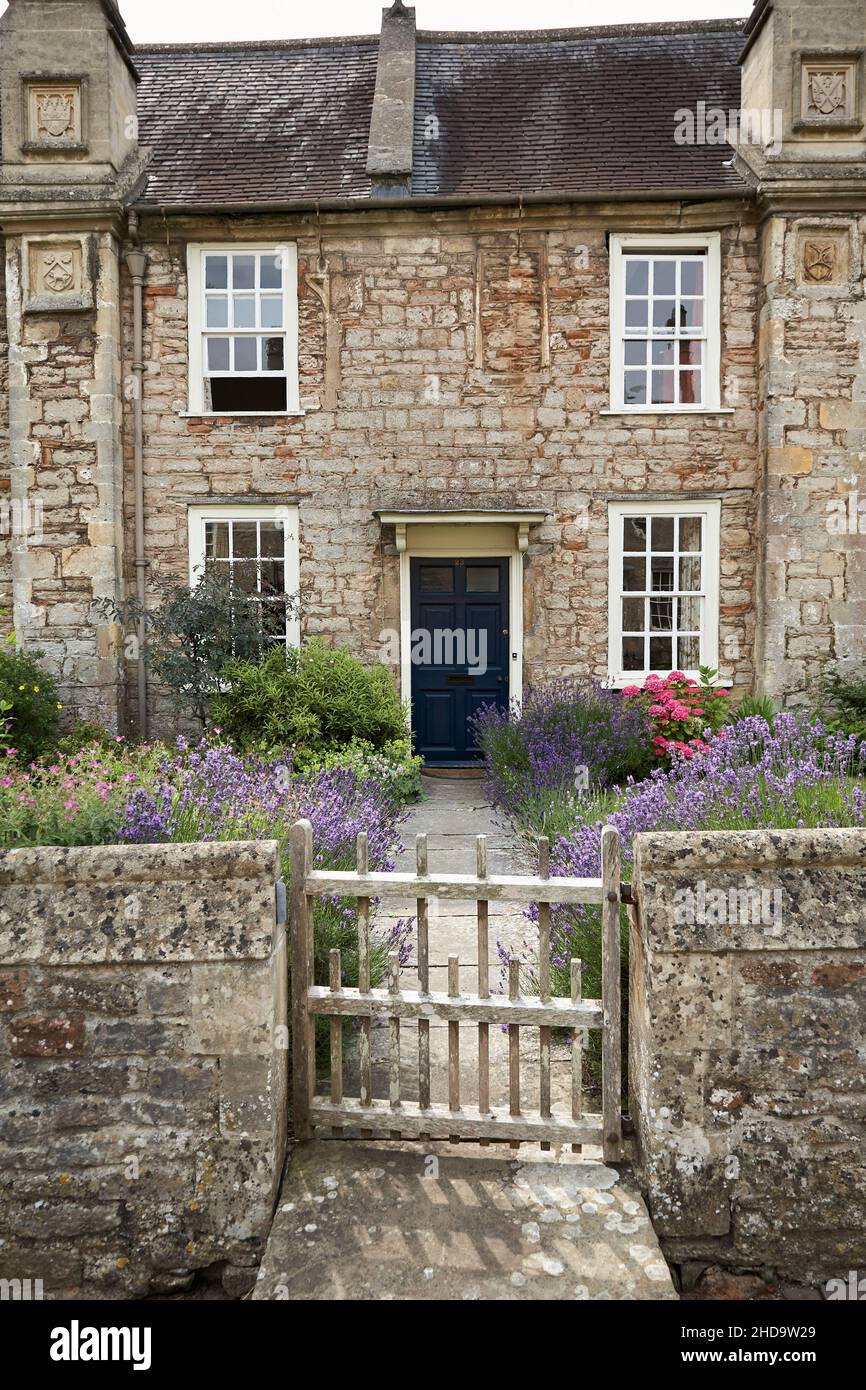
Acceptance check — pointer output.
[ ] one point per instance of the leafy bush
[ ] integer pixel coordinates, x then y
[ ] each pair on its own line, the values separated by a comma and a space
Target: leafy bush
681, 711
754, 707
28, 700
193, 632
569, 738
314, 700
73, 799
394, 767
844, 709
86, 734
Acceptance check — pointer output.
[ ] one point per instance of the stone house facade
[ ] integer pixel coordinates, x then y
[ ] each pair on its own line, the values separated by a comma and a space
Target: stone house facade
555, 339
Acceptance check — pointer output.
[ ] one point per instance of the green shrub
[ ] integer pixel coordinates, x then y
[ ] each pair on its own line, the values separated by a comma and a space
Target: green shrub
394, 767
86, 734
28, 697
844, 706
754, 707
315, 700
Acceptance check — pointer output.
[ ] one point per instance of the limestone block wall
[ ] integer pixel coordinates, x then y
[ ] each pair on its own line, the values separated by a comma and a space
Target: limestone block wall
748, 1047
143, 1056
813, 386
406, 405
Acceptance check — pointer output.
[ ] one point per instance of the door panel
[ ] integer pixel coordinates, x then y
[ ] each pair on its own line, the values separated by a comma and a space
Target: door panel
460, 651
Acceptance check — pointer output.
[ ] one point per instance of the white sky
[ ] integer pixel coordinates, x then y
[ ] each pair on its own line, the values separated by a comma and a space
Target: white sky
179, 21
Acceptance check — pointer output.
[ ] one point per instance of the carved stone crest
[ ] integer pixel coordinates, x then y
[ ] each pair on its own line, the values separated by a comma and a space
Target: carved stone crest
56, 274
827, 92
819, 262
53, 115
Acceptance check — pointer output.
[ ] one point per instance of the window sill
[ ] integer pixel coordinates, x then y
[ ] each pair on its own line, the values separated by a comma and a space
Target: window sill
669, 410
242, 414
639, 677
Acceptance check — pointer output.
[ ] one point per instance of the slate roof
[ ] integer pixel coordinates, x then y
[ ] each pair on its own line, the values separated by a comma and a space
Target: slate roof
582, 112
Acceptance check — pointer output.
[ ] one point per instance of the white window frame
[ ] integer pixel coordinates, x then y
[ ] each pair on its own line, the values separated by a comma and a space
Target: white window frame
240, 511
195, 261
622, 243
710, 512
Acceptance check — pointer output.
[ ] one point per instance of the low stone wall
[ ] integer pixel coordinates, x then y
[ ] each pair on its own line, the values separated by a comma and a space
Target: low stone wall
143, 1059
748, 1047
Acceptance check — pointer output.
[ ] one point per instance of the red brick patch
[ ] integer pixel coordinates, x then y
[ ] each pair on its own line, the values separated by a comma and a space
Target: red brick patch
40, 1036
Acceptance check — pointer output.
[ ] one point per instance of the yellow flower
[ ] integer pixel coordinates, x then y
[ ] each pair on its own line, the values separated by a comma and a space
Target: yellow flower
22, 687
36, 688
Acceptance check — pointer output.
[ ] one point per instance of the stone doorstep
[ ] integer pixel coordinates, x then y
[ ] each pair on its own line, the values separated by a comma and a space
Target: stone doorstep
434, 1222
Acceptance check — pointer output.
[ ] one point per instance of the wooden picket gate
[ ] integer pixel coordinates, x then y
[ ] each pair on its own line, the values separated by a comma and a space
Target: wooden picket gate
400, 1118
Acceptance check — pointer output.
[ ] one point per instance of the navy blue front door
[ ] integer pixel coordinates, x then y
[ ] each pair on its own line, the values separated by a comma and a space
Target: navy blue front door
460, 647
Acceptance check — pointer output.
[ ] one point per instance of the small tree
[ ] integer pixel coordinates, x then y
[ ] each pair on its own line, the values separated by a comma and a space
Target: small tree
193, 632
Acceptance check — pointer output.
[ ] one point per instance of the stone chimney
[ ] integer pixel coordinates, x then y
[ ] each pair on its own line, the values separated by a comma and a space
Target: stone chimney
389, 152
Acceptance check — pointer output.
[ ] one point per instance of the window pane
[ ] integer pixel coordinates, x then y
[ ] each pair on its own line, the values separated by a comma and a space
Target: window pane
663, 353
245, 355
690, 533
663, 533
633, 573
635, 354
217, 311
215, 272
636, 313
692, 313
272, 354
663, 313
689, 658
690, 574
661, 614
437, 579
244, 272
244, 309
636, 277
634, 533
273, 577
664, 277
691, 351
634, 388
271, 271
245, 576
216, 540
692, 277
245, 540
632, 653
690, 388
689, 614
662, 388
482, 579
661, 573
218, 354
633, 614
661, 654
273, 538
272, 312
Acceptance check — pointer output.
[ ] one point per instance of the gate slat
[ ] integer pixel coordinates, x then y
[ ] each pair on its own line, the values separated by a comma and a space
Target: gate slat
394, 1037
611, 1057
336, 983
423, 975
441, 1123
362, 852
514, 1043
544, 984
482, 911
576, 1049
454, 1042
303, 1022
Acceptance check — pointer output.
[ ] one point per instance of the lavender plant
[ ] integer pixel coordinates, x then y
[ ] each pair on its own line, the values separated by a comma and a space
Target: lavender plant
567, 738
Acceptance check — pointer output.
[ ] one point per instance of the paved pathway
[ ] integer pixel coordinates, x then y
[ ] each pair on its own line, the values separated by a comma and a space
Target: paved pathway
435, 1221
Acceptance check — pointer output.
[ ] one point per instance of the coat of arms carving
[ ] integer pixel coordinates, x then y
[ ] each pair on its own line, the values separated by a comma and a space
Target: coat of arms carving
819, 262
58, 271
55, 112
827, 91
